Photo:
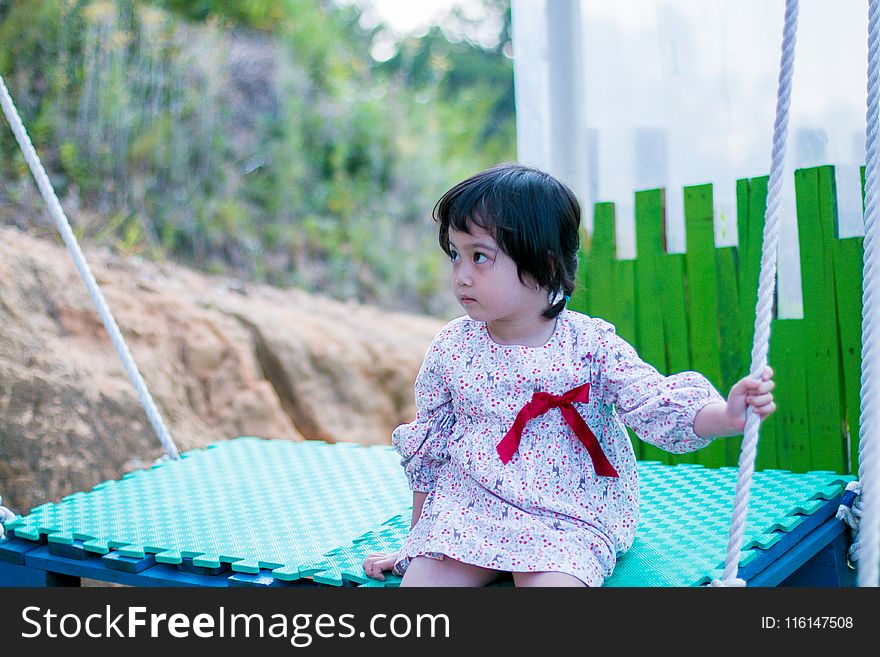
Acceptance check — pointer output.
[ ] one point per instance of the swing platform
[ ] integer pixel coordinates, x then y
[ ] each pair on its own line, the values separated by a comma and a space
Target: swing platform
254, 512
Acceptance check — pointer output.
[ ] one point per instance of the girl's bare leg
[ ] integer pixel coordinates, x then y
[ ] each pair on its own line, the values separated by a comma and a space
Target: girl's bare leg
546, 579
424, 571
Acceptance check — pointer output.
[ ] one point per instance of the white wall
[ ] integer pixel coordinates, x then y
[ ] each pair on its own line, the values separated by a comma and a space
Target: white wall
683, 92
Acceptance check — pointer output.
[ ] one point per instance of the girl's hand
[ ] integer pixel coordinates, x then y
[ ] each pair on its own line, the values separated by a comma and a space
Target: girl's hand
378, 562
749, 392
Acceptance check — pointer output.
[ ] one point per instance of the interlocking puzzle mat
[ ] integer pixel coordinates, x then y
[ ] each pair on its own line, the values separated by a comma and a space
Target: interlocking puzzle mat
269, 505
685, 523
291, 509
686, 514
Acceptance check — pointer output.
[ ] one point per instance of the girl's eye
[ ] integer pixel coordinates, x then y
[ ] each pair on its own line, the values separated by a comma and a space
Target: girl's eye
480, 257
453, 255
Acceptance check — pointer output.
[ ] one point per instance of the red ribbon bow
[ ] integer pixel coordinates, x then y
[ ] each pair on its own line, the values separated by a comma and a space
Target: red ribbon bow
543, 402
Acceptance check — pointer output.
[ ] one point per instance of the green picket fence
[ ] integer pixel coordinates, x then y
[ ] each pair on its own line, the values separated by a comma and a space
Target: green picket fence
696, 311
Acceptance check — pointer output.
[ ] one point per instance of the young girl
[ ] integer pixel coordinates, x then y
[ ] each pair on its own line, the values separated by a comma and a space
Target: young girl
518, 457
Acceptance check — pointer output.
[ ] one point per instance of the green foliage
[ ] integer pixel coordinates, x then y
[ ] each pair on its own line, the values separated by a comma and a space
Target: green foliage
256, 138
259, 14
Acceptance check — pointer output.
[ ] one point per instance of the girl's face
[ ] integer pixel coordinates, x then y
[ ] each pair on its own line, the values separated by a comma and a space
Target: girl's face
485, 280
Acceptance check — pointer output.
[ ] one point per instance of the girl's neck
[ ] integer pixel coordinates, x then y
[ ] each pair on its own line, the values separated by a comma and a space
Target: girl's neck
527, 331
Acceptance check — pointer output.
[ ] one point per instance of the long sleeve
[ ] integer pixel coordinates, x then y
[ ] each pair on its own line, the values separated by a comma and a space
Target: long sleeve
422, 443
660, 409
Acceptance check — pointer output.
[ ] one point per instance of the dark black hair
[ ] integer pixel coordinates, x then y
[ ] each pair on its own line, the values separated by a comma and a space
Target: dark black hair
534, 217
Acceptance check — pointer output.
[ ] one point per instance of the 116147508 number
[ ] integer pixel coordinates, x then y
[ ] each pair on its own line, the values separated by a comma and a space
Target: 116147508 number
807, 622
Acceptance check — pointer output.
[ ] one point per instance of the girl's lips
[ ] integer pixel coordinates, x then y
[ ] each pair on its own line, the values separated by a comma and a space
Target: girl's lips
467, 300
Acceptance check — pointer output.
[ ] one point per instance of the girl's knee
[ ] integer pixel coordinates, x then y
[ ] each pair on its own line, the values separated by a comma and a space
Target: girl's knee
546, 579
425, 571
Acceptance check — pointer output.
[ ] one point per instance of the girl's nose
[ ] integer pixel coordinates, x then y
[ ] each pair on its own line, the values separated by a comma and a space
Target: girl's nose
462, 275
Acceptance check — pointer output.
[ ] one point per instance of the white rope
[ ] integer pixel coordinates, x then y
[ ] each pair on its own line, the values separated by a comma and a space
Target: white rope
766, 285
850, 512
30, 155
868, 543
850, 508
5, 516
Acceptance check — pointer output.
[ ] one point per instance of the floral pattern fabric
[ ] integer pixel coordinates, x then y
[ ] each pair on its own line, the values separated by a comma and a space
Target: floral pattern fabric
547, 509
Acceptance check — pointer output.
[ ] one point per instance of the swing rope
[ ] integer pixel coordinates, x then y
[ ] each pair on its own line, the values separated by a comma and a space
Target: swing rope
766, 286
5, 516
49, 196
867, 520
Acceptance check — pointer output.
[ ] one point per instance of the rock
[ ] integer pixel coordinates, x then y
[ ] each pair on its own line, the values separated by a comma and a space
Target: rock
221, 360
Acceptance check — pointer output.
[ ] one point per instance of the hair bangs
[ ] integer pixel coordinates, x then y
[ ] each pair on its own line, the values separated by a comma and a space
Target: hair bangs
464, 206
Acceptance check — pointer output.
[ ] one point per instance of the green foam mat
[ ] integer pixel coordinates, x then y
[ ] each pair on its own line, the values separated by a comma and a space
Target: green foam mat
686, 514
256, 504
311, 509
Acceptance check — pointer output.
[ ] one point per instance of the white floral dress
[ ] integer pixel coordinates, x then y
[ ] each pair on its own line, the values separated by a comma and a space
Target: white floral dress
546, 509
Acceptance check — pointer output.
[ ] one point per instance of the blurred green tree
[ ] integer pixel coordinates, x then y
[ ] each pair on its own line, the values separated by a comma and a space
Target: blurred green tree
253, 138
